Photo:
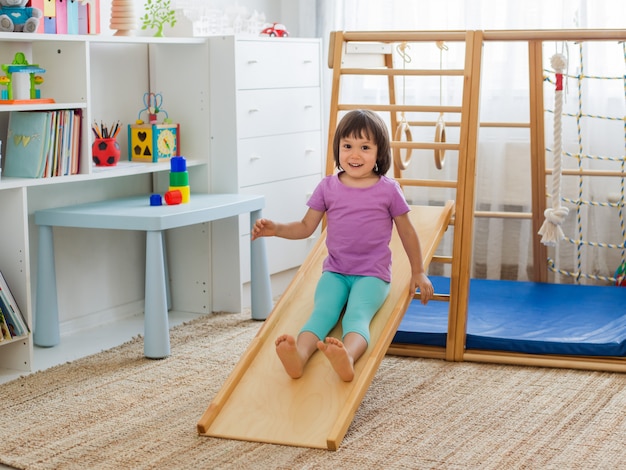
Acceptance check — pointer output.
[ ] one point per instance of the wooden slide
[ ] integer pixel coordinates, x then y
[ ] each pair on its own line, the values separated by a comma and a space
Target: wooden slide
260, 402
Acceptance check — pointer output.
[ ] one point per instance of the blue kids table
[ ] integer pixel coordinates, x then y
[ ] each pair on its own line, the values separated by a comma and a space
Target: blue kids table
137, 214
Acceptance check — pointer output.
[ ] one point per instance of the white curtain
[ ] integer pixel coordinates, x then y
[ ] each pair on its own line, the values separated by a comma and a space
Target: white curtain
502, 247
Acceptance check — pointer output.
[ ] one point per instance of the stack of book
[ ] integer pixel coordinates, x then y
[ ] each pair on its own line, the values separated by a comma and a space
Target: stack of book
68, 16
12, 322
42, 144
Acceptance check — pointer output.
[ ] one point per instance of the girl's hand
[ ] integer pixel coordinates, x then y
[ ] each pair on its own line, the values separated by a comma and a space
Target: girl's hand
263, 228
421, 282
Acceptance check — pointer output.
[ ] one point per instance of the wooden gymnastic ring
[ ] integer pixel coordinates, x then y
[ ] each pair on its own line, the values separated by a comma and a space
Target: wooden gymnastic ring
440, 137
402, 163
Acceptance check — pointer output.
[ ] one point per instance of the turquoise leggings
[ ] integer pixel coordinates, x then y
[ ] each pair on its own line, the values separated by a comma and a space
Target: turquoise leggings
361, 295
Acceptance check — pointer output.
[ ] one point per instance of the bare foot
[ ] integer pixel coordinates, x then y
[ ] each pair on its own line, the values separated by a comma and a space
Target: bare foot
289, 356
339, 358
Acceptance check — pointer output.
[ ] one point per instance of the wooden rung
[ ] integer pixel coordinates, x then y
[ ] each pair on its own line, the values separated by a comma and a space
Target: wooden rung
400, 108
433, 123
424, 145
442, 259
416, 350
619, 174
435, 297
610, 364
404, 36
403, 72
427, 183
503, 215
506, 125
559, 35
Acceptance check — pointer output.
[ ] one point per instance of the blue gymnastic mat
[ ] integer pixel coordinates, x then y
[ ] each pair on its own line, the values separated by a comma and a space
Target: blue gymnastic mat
526, 317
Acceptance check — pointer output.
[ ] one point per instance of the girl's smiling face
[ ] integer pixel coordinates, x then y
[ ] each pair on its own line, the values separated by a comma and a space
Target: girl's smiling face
357, 156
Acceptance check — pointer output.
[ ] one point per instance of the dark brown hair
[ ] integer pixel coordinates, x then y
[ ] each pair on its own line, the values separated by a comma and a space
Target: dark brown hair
363, 123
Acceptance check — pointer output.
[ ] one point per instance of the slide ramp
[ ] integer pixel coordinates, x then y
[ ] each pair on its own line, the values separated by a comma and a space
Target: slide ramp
259, 402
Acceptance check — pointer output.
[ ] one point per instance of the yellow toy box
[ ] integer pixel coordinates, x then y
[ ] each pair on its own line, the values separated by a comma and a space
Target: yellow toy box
153, 142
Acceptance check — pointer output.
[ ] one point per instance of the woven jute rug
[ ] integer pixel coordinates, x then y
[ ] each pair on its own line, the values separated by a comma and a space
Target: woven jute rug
118, 410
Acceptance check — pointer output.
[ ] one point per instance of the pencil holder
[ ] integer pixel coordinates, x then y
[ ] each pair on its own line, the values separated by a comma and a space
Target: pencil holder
105, 152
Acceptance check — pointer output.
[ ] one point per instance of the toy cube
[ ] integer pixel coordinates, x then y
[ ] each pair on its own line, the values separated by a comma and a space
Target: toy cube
153, 142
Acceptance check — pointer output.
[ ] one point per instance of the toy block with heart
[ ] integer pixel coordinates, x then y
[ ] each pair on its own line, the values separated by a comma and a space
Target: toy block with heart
153, 141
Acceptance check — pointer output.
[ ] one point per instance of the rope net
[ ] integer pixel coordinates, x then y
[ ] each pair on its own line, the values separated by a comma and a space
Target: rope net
555, 216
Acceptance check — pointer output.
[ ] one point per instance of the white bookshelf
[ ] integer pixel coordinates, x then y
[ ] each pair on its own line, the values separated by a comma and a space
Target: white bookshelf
106, 77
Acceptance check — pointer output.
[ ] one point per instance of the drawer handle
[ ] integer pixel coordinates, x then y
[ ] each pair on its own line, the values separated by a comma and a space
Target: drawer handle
308, 61
255, 157
253, 61
253, 110
308, 106
309, 150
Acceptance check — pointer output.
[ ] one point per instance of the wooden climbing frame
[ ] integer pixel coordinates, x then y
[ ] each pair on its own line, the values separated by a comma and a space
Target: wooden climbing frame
345, 49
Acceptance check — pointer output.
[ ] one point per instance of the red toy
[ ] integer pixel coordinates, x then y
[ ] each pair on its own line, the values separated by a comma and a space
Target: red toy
276, 29
105, 152
173, 197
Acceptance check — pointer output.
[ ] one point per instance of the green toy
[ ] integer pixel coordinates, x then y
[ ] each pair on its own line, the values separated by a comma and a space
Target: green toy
158, 14
21, 65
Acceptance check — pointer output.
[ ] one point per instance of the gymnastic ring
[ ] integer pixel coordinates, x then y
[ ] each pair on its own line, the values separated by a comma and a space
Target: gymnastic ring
440, 137
403, 128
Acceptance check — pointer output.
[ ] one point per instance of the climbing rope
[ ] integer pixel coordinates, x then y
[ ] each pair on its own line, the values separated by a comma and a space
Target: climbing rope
551, 231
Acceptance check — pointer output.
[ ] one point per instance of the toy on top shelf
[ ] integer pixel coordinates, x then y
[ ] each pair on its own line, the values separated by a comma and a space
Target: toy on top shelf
276, 29
123, 17
16, 92
16, 16
153, 141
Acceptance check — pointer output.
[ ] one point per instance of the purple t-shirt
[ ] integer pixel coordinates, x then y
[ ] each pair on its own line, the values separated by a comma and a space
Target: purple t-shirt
359, 224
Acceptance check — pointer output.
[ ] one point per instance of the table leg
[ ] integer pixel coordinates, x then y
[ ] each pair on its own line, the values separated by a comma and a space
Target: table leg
46, 332
168, 292
260, 288
156, 326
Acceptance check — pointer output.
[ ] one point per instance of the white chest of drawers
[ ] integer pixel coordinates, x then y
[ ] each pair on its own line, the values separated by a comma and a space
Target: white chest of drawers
266, 133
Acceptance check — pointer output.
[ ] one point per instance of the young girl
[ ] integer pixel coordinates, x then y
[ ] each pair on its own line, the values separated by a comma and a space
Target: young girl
361, 206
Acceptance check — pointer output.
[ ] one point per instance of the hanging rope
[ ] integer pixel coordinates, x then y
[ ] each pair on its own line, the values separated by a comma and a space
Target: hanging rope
551, 231
440, 127
403, 128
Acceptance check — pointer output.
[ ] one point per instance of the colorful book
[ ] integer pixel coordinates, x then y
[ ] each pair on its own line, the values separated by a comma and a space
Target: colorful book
49, 17
76, 141
27, 141
49, 24
58, 162
14, 326
72, 16
83, 18
61, 16
49, 8
12, 310
93, 15
5, 333
50, 165
39, 4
